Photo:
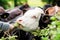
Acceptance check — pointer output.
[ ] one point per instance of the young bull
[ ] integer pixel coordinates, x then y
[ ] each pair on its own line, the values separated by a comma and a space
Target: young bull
12, 14
15, 12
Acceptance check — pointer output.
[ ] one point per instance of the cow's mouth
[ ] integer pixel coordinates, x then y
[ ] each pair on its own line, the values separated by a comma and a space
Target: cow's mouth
20, 26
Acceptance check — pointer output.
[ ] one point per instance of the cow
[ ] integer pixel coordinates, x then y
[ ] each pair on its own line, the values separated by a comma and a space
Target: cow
30, 22
30, 19
13, 13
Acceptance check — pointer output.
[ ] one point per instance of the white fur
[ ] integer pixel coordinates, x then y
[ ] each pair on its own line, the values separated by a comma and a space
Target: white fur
28, 22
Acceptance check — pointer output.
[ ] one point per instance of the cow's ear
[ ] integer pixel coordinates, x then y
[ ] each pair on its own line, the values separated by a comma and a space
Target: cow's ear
50, 11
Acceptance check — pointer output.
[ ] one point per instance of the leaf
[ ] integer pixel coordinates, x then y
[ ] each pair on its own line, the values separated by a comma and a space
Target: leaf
57, 37
2, 38
44, 38
53, 18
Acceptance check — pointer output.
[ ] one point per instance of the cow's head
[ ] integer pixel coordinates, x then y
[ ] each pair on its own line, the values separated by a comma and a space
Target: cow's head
30, 20
11, 14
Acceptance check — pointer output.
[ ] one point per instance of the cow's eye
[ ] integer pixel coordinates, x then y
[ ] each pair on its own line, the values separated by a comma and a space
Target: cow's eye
34, 17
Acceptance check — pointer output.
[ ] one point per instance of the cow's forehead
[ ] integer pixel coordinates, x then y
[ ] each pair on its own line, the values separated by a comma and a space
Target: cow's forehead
32, 13
35, 11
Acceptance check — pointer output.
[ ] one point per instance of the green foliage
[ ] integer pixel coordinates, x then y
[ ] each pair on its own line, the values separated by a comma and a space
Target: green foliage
2, 38
57, 37
9, 38
35, 3
10, 4
19, 2
44, 38
12, 37
53, 18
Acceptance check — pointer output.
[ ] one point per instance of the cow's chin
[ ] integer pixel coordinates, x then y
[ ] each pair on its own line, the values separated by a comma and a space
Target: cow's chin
20, 25
25, 28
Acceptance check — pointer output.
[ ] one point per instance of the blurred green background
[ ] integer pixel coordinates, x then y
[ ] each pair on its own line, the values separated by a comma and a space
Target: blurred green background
12, 3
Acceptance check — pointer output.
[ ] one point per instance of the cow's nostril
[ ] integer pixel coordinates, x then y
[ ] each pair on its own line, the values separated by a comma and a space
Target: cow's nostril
34, 17
20, 20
